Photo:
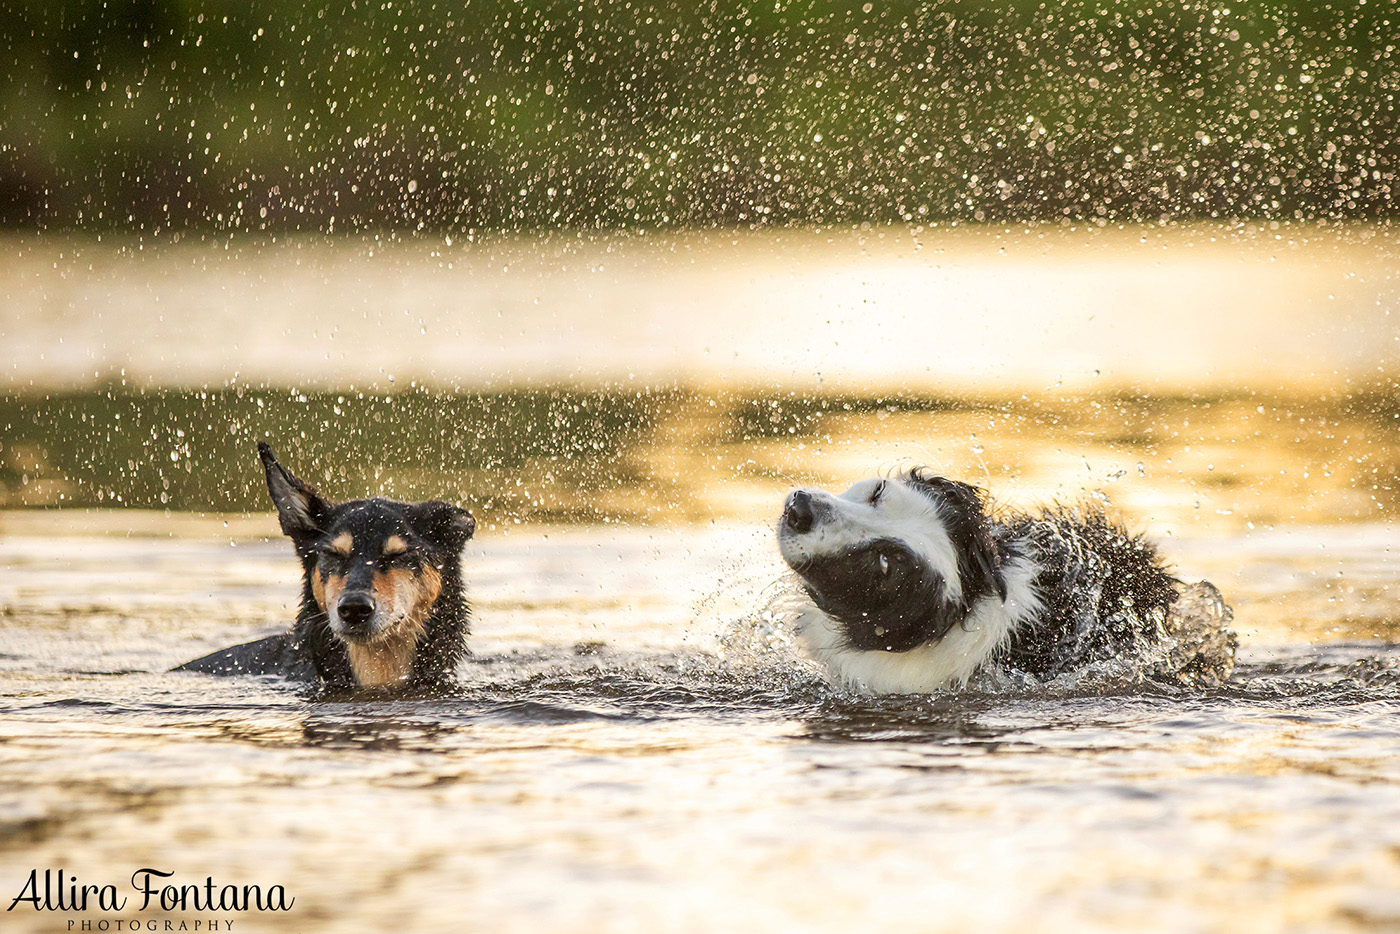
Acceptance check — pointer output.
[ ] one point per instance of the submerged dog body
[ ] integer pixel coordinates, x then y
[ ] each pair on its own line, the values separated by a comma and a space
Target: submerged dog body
913, 587
382, 601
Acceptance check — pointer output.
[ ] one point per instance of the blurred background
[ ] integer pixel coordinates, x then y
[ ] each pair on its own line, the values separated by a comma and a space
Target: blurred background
589, 243
178, 116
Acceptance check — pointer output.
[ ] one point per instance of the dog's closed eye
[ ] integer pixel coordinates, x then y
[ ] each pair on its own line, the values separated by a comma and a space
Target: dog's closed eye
399, 559
331, 558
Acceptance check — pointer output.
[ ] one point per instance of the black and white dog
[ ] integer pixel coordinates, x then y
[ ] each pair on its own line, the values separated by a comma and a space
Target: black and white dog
912, 586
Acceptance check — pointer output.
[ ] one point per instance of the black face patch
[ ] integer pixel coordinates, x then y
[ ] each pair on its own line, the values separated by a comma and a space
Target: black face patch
885, 597
354, 541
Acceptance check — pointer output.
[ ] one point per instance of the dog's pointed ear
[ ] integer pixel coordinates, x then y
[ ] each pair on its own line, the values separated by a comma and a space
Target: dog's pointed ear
300, 509
443, 523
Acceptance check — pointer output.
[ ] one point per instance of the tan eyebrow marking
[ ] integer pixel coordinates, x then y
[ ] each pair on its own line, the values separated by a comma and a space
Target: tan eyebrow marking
343, 544
394, 545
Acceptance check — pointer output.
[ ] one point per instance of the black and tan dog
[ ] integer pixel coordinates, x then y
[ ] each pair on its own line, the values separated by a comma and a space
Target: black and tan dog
382, 601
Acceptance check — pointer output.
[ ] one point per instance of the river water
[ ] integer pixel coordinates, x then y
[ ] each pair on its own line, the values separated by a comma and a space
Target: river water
629, 749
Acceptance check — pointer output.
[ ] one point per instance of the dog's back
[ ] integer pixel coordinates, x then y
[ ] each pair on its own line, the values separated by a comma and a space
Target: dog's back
1106, 596
282, 654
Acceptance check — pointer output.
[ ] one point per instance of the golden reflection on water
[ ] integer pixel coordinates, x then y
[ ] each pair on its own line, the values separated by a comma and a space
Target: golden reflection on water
1219, 463
694, 824
996, 310
1208, 463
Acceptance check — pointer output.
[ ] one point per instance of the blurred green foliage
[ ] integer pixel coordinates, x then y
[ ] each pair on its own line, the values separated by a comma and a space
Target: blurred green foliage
667, 456
197, 449
406, 114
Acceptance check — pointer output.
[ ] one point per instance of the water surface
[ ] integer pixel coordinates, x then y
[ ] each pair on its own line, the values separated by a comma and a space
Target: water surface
616, 760
633, 746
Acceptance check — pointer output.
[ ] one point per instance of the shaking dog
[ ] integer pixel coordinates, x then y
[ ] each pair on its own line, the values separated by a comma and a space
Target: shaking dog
912, 586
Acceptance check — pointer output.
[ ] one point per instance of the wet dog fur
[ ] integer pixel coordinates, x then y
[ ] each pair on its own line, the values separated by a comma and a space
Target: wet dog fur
382, 604
912, 586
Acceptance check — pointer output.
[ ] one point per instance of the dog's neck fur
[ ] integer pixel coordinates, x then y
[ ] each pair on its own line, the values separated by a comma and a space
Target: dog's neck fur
387, 662
423, 652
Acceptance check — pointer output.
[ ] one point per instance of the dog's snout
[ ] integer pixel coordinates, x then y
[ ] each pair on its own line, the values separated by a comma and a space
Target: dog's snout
355, 610
799, 513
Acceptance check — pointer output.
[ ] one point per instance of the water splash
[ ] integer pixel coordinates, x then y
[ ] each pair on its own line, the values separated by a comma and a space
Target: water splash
1191, 648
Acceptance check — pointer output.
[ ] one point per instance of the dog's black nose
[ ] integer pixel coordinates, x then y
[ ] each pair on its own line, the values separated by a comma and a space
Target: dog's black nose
355, 609
799, 513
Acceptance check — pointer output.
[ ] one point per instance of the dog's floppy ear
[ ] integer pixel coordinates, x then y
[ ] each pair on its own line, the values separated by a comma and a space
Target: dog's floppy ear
300, 508
965, 515
443, 523
985, 563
